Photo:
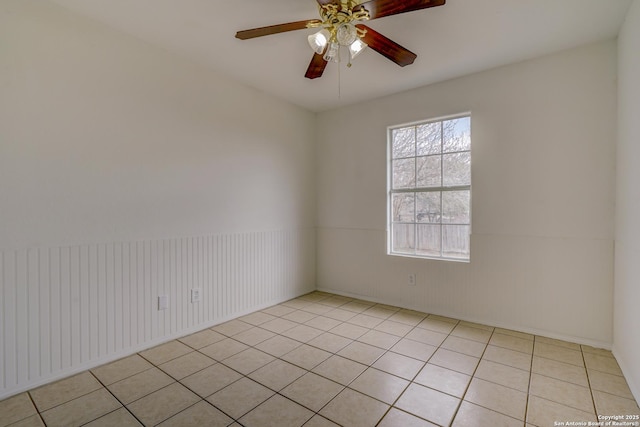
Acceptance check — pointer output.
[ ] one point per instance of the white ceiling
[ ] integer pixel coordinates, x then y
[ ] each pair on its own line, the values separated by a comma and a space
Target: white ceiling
461, 37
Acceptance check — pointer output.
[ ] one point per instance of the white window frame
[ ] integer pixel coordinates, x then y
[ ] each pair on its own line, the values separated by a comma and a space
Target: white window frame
442, 188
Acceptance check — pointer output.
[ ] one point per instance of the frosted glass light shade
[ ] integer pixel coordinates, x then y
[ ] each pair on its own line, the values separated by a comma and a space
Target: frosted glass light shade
332, 53
318, 41
346, 34
356, 48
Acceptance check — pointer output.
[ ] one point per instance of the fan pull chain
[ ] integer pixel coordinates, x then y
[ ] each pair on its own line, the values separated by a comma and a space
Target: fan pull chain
339, 79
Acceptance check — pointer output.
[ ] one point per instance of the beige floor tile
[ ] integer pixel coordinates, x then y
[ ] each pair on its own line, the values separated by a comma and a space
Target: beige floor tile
477, 416
472, 333
335, 301
508, 357
503, 375
299, 316
561, 354
319, 421
278, 345
379, 339
278, 411
32, 421
499, 398
398, 418
223, 349
361, 352
513, 333
562, 392
426, 336
62, 391
348, 330
561, 343
323, 323
16, 408
477, 325
394, 328
200, 414
560, 370
408, 318
312, 391
609, 383
277, 374
355, 306
120, 418
594, 350
278, 310
464, 346
257, 318
163, 404
353, 409
253, 336
443, 318
398, 364
340, 314
455, 361
232, 327
146, 382
444, 380
317, 308
81, 410
186, 365
211, 379
278, 325
608, 404
339, 369
165, 352
512, 343
379, 385
330, 342
121, 369
296, 303
248, 361
436, 325
302, 333
429, 404
544, 413
602, 364
240, 397
414, 349
379, 312
202, 339
365, 321
306, 357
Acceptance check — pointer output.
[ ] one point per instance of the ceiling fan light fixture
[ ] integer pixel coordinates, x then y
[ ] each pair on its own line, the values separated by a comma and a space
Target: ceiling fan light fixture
356, 48
346, 34
318, 41
333, 53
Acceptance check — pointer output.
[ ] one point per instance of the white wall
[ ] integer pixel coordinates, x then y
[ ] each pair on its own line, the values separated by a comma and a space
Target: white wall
125, 173
626, 322
543, 176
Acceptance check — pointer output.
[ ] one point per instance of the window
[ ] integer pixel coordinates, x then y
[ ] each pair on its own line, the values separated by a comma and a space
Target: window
430, 189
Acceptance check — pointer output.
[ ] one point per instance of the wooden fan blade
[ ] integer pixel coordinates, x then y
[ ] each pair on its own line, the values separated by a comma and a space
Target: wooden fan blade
387, 47
275, 29
316, 67
382, 8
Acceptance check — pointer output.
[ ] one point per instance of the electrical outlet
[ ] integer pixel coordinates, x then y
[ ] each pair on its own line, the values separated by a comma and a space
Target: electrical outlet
163, 302
411, 280
195, 295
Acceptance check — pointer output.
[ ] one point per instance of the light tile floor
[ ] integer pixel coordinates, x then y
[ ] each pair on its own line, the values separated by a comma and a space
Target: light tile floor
324, 360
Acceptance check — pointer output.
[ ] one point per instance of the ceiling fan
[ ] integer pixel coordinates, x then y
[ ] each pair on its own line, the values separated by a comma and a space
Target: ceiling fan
341, 26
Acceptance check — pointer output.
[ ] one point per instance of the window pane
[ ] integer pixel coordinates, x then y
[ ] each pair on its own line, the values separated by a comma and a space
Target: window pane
428, 207
403, 238
429, 170
455, 241
456, 169
403, 207
404, 173
456, 134
455, 207
428, 240
429, 141
404, 142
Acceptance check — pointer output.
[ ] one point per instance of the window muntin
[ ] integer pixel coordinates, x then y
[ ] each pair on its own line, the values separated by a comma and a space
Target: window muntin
430, 189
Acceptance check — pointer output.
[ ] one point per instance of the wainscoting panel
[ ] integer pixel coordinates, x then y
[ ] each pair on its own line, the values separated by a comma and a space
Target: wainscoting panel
65, 309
